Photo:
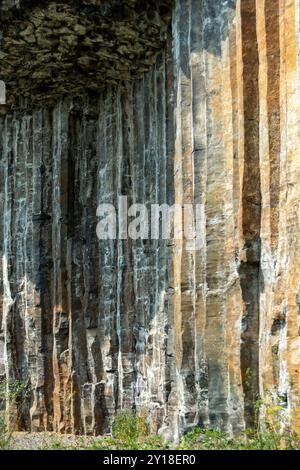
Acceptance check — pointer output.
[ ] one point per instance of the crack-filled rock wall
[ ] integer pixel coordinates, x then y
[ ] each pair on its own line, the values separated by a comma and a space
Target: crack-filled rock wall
195, 337
85, 320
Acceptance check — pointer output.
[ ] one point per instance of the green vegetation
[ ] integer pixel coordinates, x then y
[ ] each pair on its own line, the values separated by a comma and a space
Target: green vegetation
128, 432
203, 439
145, 443
199, 439
131, 432
5, 434
16, 393
128, 426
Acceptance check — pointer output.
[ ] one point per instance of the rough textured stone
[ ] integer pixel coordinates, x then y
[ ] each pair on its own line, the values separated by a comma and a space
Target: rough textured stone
195, 337
49, 49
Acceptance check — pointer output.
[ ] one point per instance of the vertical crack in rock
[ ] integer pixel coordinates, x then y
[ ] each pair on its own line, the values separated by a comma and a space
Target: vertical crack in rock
272, 302
250, 265
273, 67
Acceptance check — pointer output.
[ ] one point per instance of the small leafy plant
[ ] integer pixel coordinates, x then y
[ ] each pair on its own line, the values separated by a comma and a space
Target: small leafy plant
207, 439
129, 431
16, 393
127, 426
5, 434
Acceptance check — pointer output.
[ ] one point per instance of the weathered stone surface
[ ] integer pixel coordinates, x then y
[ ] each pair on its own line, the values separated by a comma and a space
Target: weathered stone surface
195, 337
84, 320
49, 49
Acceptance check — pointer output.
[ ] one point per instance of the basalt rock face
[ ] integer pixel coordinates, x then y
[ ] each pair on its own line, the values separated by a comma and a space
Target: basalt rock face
192, 336
49, 49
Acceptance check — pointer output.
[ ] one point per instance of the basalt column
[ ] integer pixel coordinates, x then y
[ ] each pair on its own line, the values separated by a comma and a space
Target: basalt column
208, 170
278, 41
84, 320
236, 298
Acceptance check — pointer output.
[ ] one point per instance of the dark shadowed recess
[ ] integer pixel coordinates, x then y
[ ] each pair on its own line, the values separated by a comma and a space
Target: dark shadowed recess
50, 49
